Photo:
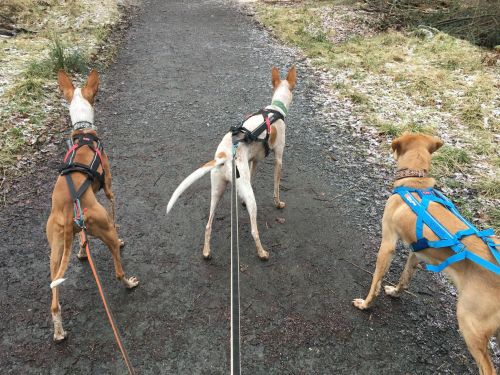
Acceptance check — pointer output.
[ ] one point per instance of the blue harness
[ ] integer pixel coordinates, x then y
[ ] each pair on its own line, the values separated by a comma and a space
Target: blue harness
446, 239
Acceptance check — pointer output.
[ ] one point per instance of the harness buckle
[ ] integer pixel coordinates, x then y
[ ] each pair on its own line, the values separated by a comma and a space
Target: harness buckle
421, 244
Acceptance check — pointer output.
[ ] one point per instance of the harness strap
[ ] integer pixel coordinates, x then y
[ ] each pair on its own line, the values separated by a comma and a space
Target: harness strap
268, 124
84, 139
253, 136
461, 256
70, 151
446, 239
76, 195
424, 203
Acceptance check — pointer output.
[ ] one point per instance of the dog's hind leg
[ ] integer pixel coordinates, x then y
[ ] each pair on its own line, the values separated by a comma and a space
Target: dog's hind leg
253, 169
218, 187
384, 259
476, 333
65, 232
59, 242
406, 276
246, 193
101, 226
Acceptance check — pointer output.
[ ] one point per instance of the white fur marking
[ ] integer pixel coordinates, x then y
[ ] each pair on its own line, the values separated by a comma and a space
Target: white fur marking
56, 282
80, 109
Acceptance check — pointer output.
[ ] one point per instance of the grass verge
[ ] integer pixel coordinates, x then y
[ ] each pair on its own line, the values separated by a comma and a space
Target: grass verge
57, 35
419, 80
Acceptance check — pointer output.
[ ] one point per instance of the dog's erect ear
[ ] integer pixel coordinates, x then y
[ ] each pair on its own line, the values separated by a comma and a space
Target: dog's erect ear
396, 147
90, 90
434, 144
291, 77
275, 77
65, 85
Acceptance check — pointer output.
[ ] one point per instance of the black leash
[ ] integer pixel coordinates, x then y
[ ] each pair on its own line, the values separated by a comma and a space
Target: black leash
235, 274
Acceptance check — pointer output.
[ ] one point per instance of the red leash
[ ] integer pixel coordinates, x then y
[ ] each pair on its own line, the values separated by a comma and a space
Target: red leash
116, 333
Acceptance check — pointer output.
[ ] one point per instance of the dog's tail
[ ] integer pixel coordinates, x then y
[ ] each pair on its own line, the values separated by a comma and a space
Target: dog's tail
196, 175
64, 260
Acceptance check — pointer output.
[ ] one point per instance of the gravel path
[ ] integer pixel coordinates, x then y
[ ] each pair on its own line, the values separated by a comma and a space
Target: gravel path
185, 73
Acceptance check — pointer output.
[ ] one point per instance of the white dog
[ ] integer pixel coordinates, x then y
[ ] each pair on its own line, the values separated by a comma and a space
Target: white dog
272, 138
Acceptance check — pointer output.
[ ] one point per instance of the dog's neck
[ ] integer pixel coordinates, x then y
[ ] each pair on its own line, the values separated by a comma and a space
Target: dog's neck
412, 171
81, 111
83, 131
282, 97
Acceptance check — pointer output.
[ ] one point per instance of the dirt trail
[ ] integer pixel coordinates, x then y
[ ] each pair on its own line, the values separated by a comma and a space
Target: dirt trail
186, 72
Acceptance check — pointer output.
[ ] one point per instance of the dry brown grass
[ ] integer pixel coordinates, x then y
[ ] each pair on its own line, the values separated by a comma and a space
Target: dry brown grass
409, 81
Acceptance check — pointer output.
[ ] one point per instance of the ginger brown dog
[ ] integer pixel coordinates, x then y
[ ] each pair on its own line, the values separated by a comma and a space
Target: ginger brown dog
478, 305
61, 227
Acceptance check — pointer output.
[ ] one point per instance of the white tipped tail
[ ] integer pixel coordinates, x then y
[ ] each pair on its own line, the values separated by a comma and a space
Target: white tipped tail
193, 177
56, 282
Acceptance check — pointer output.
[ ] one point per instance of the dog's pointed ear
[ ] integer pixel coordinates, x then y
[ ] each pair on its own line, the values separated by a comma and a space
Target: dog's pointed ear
396, 147
65, 85
291, 77
91, 87
435, 144
275, 74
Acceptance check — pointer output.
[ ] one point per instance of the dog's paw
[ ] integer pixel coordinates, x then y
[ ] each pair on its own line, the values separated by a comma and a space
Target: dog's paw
360, 303
60, 336
207, 255
131, 282
122, 243
391, 291
82, 254
279, 204
263, 254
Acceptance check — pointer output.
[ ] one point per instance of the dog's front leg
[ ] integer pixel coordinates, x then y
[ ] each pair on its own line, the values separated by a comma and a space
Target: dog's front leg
109, 193
384, 259
107, 185
278, 164
406, 276
103, 228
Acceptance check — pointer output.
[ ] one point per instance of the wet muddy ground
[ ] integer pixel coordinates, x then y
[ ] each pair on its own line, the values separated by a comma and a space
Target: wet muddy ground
185, 73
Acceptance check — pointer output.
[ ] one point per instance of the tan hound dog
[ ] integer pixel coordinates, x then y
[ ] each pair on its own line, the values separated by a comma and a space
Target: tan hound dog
478, 306
60, 225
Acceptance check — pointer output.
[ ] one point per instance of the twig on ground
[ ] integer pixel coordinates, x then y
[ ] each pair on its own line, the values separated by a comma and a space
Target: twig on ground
371, 273
321, 199
158, 179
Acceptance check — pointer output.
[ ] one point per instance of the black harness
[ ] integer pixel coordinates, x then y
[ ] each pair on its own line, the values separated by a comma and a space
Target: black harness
270, 117
70, 166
